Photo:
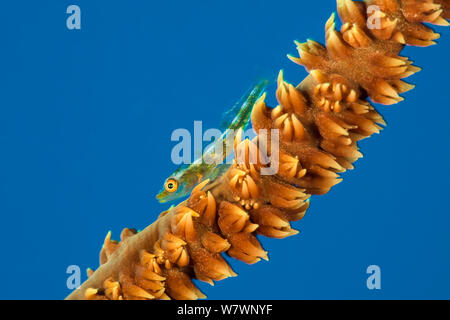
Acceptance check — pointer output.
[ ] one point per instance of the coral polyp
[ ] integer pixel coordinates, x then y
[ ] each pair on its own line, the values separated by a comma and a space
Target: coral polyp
320, 122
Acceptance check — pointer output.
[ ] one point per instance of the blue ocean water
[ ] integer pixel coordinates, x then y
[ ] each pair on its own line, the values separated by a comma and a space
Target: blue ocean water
85, 123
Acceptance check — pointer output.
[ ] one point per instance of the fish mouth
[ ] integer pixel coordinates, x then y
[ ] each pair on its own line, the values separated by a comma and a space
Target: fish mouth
161, 198
164, 197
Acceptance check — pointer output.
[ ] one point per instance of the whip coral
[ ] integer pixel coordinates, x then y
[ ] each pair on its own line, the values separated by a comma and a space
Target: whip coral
320, 122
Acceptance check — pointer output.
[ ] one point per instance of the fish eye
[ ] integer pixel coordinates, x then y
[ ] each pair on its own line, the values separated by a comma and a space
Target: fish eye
171, 185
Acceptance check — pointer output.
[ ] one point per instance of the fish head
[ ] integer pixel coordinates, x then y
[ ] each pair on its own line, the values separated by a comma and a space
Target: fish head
173, 189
